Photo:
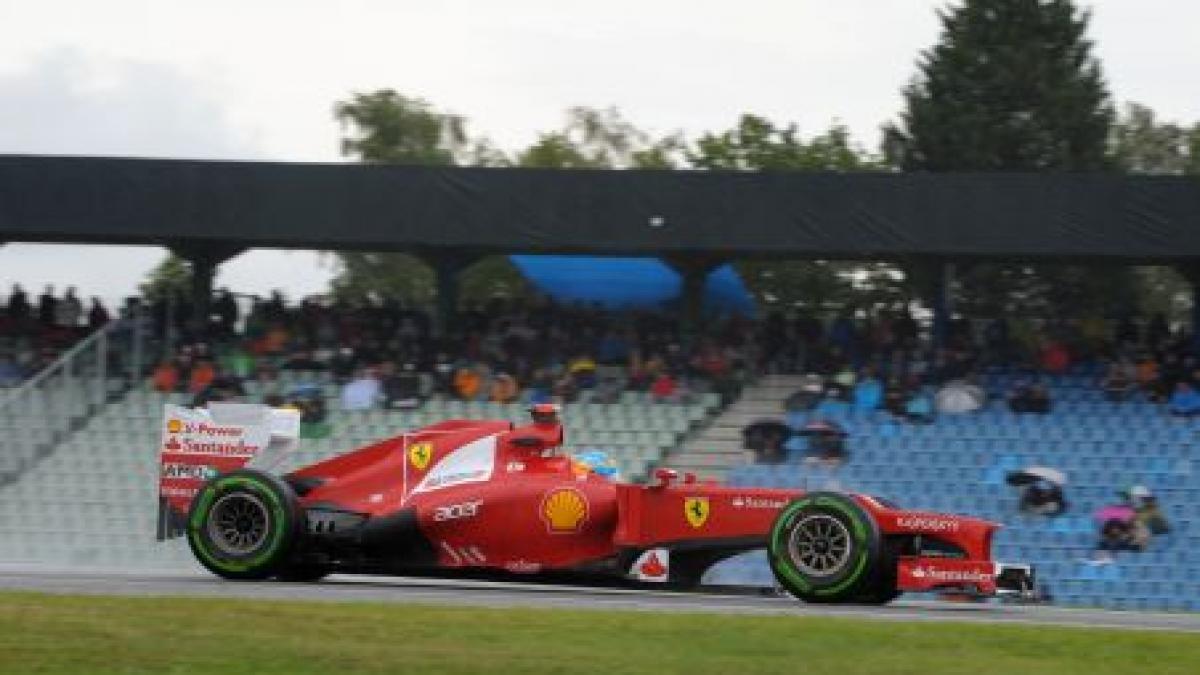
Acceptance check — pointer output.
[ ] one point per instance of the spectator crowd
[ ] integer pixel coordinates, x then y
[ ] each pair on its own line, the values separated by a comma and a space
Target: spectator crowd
34, 331
387, 355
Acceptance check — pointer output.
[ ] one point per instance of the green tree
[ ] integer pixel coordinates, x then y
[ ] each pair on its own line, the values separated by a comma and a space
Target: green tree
758, 144
171, 277
384, 127
601, 138
492, 277
1011, 85
1140, 143
362, 276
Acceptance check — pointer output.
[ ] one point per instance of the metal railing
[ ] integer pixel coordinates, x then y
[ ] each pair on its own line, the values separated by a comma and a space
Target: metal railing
40, 412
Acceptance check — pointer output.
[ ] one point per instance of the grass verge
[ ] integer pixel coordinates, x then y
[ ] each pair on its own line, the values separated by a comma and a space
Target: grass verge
79, 634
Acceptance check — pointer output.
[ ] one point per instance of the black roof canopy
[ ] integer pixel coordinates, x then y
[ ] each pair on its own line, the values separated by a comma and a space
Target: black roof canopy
735, 214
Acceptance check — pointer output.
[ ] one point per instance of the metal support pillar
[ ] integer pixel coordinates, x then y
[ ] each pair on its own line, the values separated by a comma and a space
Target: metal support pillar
447, 269
694, 271
204, 259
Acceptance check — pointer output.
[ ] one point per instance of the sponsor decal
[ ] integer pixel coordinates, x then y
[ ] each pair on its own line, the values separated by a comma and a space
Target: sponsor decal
758, 503
564, 510
448, 479
652, 565
192, 471
204, 437
935, 574
172, 491
522, 567
471, 463
696, 510
928, 523
419, 455
515, 467
457, 511
188, 446
463, 555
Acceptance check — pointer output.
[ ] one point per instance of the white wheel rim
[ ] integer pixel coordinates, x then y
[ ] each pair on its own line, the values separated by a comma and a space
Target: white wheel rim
819, 545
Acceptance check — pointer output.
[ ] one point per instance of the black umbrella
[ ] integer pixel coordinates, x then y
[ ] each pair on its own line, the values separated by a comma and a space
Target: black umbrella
756, 434
1036, 474
820, 427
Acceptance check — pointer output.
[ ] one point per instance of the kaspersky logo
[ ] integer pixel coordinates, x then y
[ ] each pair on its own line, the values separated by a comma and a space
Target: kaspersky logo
928, 523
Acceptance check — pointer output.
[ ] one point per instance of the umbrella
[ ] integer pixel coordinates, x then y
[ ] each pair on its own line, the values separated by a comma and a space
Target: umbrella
956, 398
822, 428
755, 435
1034, 474
1118, 512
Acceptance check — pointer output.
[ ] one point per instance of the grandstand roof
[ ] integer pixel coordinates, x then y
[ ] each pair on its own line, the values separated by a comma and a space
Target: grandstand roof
352, 206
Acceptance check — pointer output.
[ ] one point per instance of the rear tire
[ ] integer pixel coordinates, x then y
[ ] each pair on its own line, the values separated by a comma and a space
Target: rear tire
824, 548
243, 525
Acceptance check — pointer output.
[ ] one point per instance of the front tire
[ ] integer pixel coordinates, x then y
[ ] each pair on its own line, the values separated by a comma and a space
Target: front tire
243, 525
824, 548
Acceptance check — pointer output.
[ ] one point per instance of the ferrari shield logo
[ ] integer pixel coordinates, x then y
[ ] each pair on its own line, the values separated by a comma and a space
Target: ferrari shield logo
696, 510
420, 454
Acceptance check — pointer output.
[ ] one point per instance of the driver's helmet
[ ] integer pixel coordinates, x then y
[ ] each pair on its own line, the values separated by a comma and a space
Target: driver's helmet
545, 413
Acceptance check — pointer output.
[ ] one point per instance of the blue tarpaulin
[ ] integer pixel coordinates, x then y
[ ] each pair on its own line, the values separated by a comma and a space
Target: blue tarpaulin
628, 283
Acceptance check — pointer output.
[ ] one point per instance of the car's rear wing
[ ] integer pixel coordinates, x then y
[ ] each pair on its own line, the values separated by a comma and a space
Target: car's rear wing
200, 443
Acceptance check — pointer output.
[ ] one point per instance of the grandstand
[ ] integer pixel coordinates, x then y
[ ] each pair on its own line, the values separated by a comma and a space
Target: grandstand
92, 498
958, 464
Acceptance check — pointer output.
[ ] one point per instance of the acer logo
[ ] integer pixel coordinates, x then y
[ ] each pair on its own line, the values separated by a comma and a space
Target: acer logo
456, 511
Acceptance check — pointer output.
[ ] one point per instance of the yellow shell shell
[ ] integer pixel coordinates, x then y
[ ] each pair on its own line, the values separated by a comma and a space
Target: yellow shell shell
564, 510
174, 426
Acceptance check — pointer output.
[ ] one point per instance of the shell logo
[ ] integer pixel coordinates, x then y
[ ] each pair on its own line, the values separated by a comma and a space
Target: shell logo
174, 426
564, 510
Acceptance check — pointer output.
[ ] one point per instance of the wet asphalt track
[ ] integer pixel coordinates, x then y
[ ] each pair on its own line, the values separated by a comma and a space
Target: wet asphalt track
500, 594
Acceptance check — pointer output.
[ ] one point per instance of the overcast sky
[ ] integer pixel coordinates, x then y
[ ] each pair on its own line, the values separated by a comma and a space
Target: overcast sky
257, 80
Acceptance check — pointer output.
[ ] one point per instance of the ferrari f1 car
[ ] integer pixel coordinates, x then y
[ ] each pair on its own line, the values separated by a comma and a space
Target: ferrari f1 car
488, 497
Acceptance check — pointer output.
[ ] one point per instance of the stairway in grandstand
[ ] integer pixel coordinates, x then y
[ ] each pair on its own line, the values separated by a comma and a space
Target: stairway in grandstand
93, 501
958, 465
717, 447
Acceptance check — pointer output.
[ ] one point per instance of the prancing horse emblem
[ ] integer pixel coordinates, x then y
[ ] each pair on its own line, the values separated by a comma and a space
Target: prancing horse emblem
696, 509
420, 454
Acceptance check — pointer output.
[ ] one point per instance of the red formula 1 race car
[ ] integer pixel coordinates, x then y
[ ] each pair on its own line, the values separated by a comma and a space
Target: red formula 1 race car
466, 496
